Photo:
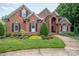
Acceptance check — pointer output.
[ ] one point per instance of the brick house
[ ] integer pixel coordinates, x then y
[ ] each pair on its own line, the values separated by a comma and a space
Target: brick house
24, 18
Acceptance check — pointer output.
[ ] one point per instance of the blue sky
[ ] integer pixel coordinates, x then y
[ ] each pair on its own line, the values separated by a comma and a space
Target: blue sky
7, 8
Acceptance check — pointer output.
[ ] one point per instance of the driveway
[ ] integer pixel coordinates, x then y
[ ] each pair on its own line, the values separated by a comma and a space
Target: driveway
69, 42
71, 49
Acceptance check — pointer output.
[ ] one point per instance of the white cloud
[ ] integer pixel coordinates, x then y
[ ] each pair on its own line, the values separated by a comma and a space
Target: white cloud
6, 8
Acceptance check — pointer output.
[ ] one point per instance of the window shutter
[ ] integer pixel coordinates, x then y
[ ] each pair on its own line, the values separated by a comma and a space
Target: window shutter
30, 27
36, 27
26, 13
61, 28
12, 27
67, 27
20, 13
19, 27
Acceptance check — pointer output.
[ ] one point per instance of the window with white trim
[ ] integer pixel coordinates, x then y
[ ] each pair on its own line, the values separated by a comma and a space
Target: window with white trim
16, 27
24, 14
33, 27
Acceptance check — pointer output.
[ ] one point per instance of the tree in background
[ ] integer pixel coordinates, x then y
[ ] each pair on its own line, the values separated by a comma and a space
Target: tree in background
4, 18
2, 30
71, 11
44, 29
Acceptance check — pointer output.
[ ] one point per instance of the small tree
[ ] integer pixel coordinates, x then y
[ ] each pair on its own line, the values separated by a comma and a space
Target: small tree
44, 29
2, 30
75, 30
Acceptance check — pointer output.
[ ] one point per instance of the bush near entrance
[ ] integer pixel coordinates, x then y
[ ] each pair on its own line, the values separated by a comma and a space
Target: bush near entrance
44, 29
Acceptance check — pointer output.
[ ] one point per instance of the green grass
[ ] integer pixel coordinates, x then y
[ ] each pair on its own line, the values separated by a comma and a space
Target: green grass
12, 44
72, 35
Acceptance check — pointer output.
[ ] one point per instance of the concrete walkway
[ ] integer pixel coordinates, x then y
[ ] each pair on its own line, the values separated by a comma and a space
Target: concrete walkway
69, 42
71, 49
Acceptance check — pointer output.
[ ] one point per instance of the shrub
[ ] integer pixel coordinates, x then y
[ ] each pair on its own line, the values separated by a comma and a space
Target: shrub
2, 30
47, 37
69, 33
35, 37
8, 34
2, 37
50, 34
22, 32
50, 37
44, 29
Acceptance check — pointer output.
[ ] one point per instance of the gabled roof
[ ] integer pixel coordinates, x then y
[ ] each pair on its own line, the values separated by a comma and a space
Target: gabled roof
55, 12
65, 19
44, 12
23, 6
33, 14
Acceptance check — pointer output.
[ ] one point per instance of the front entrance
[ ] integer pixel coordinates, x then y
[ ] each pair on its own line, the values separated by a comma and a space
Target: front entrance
53, 24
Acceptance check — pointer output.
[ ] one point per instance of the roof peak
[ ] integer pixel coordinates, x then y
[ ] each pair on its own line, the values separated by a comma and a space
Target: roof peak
46, 9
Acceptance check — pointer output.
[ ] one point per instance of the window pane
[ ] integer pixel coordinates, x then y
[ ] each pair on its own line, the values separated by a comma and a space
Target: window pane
16, 27
23, 13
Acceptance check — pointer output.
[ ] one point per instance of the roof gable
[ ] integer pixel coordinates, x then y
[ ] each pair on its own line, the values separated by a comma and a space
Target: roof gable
55, 13
64, 19
20, 8
44, 13
34, 15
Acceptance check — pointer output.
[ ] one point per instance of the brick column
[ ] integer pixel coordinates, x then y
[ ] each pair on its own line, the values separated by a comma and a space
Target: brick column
69, 28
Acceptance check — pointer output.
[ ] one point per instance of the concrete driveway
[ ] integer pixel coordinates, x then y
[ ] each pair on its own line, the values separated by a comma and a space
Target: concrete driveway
71, 49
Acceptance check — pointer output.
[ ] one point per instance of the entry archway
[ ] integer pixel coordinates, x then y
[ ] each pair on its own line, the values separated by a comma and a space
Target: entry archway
53, 24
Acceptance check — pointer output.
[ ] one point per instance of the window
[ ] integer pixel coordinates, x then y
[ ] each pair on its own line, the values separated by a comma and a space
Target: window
23, 13
15, 27
64, 28
33, 27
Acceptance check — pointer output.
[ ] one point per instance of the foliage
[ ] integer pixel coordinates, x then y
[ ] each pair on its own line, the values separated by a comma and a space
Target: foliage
12, 44
75, 30
71, 34
20, 34
44, 29
2, 37
47, 37
35, 37
8, 34
71, 11
2, 30
4, 18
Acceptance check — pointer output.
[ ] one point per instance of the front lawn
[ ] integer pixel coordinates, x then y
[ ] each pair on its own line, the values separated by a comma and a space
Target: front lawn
12, 44
71, 34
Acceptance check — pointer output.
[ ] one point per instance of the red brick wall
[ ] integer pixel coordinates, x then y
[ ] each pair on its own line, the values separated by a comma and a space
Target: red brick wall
13, 19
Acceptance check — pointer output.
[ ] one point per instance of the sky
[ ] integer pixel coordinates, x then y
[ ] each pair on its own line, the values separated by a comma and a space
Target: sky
7, 8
